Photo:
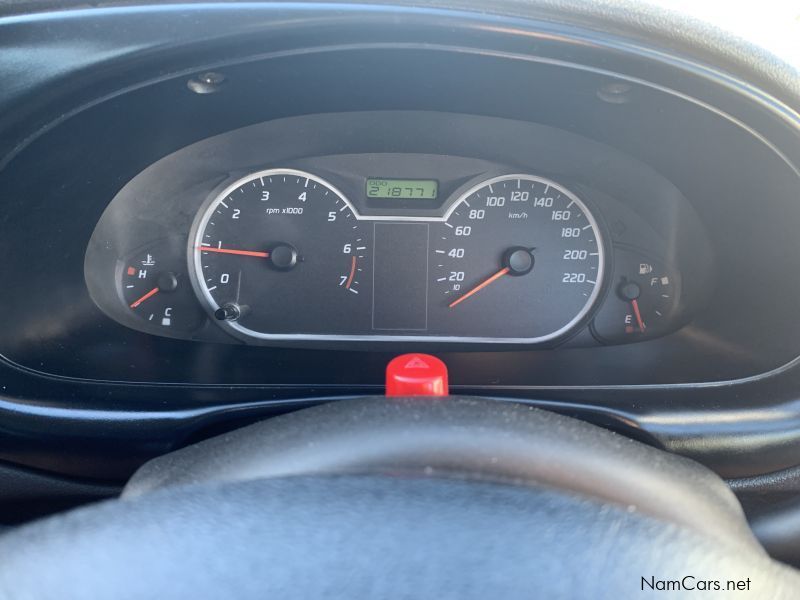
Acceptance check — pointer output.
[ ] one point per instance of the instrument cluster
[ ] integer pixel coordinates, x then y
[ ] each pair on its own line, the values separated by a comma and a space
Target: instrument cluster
381, 247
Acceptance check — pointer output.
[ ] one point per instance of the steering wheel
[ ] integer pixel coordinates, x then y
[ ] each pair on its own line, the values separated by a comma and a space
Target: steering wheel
402, 498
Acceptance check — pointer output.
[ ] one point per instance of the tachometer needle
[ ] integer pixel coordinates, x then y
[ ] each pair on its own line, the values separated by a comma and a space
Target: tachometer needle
231, 251
149, 294
480, 286
638, 314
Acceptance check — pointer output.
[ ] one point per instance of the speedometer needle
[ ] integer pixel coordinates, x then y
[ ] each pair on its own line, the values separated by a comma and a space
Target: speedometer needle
480, 286
231, 251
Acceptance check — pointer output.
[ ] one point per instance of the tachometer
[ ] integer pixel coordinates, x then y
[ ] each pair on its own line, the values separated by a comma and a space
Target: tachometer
518, 258
280, 253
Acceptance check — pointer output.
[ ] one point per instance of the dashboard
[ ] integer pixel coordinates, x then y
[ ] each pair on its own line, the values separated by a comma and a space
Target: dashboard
628, 262
225, 213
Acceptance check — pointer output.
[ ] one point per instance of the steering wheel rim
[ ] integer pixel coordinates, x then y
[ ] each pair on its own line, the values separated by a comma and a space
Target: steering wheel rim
460, 437
469, 511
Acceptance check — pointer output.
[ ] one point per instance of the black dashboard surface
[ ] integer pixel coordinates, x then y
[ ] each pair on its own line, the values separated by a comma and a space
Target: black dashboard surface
128, 151
656, 203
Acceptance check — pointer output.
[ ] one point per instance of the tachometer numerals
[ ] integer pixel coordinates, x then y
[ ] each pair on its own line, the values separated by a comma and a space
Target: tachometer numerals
517, 257
280, 253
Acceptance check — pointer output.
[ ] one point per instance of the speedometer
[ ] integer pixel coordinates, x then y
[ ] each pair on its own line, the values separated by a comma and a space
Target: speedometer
518, 257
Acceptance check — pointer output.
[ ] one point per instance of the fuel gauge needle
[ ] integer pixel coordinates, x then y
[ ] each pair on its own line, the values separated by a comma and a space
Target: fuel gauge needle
480, 286
638, 314
149, 294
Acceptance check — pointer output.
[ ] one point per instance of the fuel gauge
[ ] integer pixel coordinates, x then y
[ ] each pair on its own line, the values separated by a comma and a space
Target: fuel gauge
155, 288
642, 302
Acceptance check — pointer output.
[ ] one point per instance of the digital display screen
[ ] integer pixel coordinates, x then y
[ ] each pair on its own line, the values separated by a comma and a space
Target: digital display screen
402, 189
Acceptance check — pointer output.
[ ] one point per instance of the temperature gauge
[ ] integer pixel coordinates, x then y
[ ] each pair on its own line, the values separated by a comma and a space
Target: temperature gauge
155, 287
642, 302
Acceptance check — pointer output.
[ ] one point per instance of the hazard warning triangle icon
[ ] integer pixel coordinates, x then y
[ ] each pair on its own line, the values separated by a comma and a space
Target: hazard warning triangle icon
417, 363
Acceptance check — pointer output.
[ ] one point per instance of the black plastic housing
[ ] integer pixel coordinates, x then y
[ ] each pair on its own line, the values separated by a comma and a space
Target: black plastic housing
721, 390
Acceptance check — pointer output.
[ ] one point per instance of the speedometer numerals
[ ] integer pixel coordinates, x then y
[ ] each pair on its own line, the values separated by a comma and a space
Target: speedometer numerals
280, 253
518, 257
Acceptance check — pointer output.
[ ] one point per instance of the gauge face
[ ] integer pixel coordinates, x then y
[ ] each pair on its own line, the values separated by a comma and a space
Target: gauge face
281, 254
518, 257
155, 288
643, 299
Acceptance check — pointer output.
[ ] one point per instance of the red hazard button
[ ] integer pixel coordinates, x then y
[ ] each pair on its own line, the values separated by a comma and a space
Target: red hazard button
416, 375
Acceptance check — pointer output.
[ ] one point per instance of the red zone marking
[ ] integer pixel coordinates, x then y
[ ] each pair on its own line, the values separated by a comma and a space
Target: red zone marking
352, 273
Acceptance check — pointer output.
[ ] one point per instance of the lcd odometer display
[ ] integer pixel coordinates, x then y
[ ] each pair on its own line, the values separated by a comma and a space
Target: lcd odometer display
403, 189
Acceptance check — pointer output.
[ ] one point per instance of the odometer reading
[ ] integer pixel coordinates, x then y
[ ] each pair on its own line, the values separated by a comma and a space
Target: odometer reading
402, 189
518, 258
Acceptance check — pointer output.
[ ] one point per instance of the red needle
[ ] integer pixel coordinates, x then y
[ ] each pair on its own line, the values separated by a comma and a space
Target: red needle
480, 286
229, 251
149, 294
639, 322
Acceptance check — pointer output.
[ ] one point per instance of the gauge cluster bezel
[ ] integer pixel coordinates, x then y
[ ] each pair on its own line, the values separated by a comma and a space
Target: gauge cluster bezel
442, 214
203, 171
196, 185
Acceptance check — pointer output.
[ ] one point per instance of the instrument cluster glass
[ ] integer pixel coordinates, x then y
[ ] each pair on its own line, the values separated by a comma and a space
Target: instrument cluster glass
282, 254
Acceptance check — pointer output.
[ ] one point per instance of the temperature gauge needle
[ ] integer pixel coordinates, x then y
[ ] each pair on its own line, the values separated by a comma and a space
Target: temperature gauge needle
638, 314
231, 251
480, 286
149, 294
